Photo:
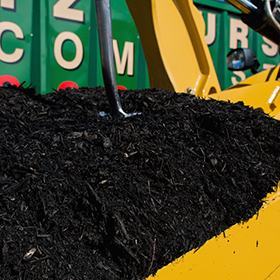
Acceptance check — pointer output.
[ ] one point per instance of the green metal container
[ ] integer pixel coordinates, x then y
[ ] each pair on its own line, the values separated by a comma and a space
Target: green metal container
46, 43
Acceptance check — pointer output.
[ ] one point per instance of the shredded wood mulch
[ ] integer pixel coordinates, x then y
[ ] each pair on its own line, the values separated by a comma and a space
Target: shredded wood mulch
89, 197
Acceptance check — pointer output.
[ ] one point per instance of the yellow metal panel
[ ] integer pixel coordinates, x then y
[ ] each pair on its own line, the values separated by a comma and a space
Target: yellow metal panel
141, 12
173, 39
275, 275
172, 36
249, 250
261, 77
202, 75
261, 91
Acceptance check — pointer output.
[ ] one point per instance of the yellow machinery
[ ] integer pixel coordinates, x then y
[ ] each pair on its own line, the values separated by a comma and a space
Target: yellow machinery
245, 251
261, 91
178, 59
172, 36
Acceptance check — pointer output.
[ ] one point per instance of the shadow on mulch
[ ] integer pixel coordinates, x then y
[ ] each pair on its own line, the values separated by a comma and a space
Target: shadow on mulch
89, 197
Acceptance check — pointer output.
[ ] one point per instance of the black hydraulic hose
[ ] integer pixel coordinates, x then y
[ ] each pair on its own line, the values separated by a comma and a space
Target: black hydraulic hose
244, 6
270, 16
104, 21
259, 17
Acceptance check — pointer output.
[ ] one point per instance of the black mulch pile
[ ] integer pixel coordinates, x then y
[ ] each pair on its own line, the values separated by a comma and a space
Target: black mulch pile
89, 197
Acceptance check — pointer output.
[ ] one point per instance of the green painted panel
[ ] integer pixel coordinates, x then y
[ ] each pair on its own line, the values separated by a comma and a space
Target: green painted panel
48, 42
73, 48
16, 39
67, 33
